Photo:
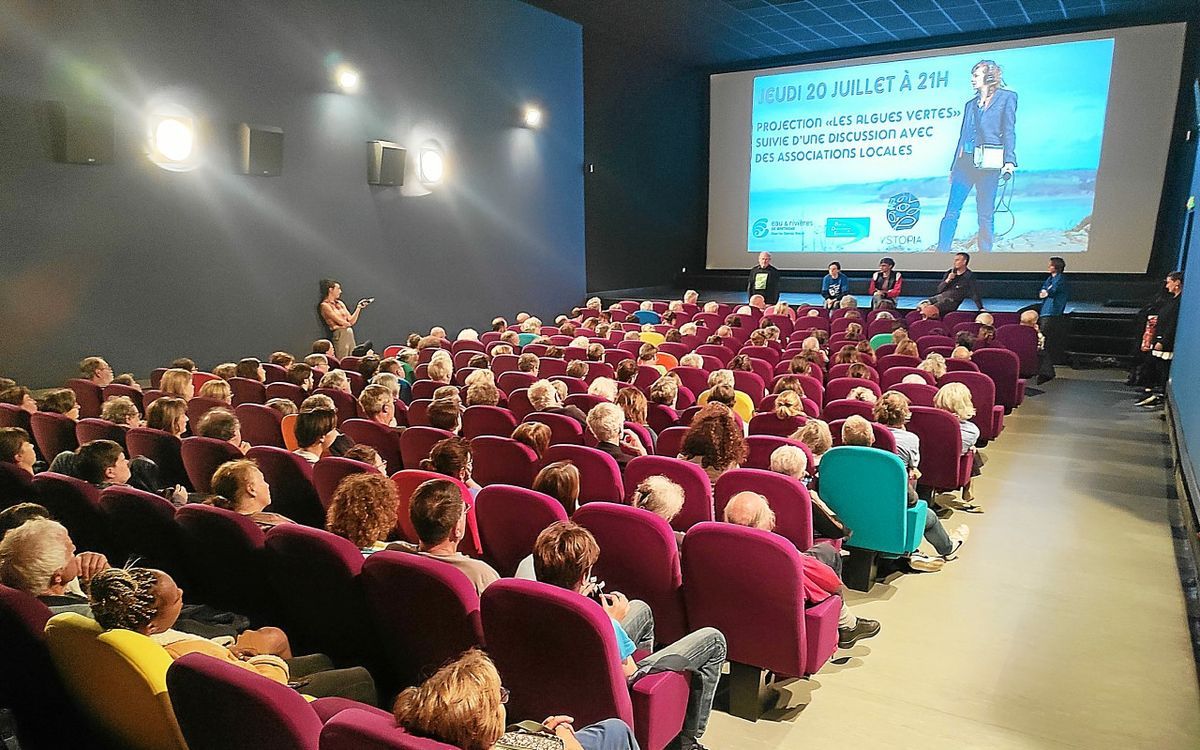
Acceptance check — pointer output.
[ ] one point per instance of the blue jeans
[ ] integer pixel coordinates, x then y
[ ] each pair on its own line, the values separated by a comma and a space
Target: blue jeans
936, 534
963, 177
705, 651
610, 734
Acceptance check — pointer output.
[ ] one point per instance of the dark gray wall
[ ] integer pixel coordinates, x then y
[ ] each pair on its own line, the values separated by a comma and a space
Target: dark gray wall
143, 265
647, 135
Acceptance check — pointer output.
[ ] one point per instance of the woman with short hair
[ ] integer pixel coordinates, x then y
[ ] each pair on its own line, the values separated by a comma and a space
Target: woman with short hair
363, 510
559, 480
178, 383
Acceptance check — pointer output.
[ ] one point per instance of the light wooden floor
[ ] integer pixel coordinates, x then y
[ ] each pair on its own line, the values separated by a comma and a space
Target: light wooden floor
1061, 625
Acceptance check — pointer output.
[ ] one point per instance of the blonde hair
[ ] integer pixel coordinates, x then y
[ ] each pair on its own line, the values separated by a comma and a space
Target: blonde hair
891, 410
118, 409
543, 395
862, 393
907, 347
175, 382
665, 390
721, 377
788, 405
218, 389
816, 435
606, 422
373, 399
605, 388
164, 412
934, 364
790, 461
856, 430
441, 369
956, 399
633, 402
229, 483
660, 496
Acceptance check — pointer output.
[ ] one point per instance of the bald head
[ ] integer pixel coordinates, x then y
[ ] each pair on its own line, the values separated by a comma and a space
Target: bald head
750, 509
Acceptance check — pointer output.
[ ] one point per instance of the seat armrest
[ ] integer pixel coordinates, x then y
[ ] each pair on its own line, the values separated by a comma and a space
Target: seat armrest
659, 705
327, 708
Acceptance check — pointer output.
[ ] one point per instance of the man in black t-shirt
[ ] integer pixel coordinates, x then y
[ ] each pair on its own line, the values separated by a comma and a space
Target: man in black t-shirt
764, 280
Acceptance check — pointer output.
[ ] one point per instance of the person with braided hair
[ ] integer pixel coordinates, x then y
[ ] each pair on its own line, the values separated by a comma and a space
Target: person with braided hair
148, 601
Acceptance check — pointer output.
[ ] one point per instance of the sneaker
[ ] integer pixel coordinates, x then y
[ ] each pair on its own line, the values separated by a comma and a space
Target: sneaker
690, 743
1152, 400
923, 564
864, 629
958, 538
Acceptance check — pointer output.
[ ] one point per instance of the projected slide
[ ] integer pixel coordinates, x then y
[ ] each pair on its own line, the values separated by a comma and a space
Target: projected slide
916, 155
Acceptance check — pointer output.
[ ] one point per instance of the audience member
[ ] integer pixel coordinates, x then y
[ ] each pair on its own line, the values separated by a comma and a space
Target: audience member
120, 410
439, 514
452, 457
168, 415
177, 383
543, 396
217, 389
956, 399
559, 480
60, 401
445, 414
315, 432
378, 404
222, 424
662, 497
607, 424
96, 370
251, 369
363, 510
335, 380
19, 395
17, 448
240, 486
534, 434
714, 442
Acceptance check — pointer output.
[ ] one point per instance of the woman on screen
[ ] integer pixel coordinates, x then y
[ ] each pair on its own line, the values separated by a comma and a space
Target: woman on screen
985, 153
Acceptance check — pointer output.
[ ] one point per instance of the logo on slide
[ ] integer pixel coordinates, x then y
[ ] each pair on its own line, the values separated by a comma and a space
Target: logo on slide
903, 211
759, 229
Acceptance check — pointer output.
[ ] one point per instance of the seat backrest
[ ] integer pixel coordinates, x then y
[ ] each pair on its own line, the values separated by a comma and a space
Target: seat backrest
315, 577
407, 482
1003, 367
941, 447
198, 406
960, 365
768, 423
839, 371
868, 489
845, 407
420, 637
89, 429
564, 430
669, 441
260, 425
760, 447
513, 380
955, 317
163, 448
919, 394
384, 439
12, 415
758, 604
219, 705
344, 403
487, 420
692, 378
247, 391
201, 457
983, 397
361, 729
510, 519
222, 546
931, 342
1022, 341
884, 439
417, 442
88, 395
502, 460
16, 485
787, 497
75, 504
119, 677
292, 491
525, 620
892, 376
331, 470
290, 391
888, 361
142, 525
660, 416
53, 433
599, 475
920, 328
838, 388
640, 558
583, 401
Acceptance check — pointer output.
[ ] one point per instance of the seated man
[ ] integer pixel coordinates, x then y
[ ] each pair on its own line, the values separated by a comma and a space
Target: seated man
120, 410
528, 363
60, 401
96, 370
544, 397
445, 414
607, 423
563, 556
820, 581
439, 514
222, 424
378, 405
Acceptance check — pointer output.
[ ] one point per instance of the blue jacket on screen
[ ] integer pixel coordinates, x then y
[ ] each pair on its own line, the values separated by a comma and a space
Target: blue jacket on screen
1055, 302
994, 126
832, 288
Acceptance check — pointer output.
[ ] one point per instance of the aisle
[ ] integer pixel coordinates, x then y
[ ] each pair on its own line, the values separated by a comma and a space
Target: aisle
1062, 625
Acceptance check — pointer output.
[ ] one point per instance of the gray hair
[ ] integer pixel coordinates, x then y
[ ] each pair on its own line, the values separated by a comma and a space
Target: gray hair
32, 553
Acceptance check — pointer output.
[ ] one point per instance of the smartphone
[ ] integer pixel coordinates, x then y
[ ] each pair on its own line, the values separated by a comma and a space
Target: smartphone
366, 301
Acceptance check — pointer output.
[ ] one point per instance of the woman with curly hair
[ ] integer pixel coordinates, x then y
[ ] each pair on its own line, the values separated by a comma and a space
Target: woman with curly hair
148, 602
462, 705
908, 348
363, 510
452, 457
714, 441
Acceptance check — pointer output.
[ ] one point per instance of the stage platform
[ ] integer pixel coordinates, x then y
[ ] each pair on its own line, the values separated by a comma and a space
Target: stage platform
800, 298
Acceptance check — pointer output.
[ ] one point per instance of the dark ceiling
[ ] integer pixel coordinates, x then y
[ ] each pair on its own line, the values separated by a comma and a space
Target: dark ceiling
712, 33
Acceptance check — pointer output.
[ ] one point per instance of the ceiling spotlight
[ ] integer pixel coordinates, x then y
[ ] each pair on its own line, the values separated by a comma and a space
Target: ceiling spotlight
347, 78
174, 138
532, 117
171, 137
431, 166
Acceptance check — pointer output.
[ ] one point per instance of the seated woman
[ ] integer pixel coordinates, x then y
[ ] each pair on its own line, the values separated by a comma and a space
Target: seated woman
891, 411
148, 602
16, 448
633, 403
743, 404
559, 480
816, 435
483, 393
799, 365
452, 457
662, 497
791, 461
441, 367
363, 510
934, 364
605, 388
714, 441
862, 393
251, 369
607, 424
335, 380
315, 432
239, 486
847, 355
534, 434
60, 401
956, 399
168, 414
664, 391
217, 389
462, 705
908, 348
543, 396
177, 382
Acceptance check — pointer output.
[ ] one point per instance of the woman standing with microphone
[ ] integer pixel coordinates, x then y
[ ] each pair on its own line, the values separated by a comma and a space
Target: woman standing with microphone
337, 318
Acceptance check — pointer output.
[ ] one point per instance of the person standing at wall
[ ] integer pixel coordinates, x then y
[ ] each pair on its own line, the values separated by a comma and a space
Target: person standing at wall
764, 280
337, 318
1053, 318
1163, 349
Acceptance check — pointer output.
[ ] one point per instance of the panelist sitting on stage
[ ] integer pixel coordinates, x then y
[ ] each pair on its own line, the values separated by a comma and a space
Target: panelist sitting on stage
885, 284
834, 286
958, 285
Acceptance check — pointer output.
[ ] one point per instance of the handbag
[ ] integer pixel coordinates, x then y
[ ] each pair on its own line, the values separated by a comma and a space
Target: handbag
989, 158
529, 735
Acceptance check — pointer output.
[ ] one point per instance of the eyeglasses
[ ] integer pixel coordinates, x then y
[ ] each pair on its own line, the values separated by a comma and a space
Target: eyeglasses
504, 695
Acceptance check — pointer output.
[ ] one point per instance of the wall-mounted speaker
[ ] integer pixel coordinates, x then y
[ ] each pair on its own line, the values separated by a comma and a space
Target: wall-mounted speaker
259, 150
80, 134
385, 163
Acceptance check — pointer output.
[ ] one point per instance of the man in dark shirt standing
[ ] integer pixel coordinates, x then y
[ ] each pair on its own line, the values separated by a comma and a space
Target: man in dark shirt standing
958, 285
764, 280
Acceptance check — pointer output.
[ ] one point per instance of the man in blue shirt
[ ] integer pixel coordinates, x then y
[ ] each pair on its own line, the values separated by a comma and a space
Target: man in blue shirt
563, 556
1053, 318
